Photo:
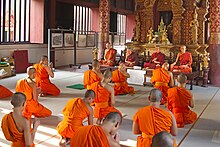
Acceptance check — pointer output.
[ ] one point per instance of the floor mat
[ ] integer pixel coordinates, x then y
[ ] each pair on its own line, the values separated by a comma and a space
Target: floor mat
76, 86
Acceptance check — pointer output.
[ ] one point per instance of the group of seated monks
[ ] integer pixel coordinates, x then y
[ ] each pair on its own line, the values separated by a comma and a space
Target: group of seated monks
98, 106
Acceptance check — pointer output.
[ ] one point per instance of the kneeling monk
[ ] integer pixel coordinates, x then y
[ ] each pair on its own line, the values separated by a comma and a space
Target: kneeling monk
43, 71
105, 97
75, 111
119, 77
179, 101
16, 127
29, 88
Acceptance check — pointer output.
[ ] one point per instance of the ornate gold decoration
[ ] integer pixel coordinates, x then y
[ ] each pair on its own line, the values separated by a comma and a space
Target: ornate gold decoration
164, 5
214, 38
205, 59
194, 29
95, 53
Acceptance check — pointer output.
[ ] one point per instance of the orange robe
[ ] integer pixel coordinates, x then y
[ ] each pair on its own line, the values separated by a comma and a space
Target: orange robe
102, 101
178, 103
89, 78
32, 107
4, 92
90, 136
151, 120
11, 132
74, 113
185, 58
121, 85
110, 57
43, 81
161, 79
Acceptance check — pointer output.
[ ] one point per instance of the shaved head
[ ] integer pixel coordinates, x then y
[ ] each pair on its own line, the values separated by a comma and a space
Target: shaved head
43, 58
89, 93
113, 117
162, 139
95, 63
107, 74
165, 66
182, 78
18, 99
155, 95
31, 70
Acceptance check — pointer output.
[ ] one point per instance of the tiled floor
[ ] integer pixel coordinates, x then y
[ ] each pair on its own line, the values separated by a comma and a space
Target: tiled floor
204, 133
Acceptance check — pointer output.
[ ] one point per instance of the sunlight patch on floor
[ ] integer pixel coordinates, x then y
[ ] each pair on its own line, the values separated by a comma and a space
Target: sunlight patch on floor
129, 143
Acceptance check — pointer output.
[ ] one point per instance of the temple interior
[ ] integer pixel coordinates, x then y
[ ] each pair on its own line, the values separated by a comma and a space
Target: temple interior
74, 32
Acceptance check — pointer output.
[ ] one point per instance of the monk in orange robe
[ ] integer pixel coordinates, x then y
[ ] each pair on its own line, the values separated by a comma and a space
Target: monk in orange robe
29, 88
42, 77
75, 111
119, 77
162, 79
105, 99
156, 61
131, 58
15, 127
99, 136
4, 92
151, 119
163, 138
185, 61
179, 101
92, 76
110, 55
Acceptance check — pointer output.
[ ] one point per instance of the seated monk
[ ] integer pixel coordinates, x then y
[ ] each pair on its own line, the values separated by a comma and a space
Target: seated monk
43, 71
163, 139
92, 76
131, 58
156, 61
29, 88
16, 127
75, 111
105, 135
110, 55
105, 97
185, 61
151, 120
119, 77
179, 101
162, 80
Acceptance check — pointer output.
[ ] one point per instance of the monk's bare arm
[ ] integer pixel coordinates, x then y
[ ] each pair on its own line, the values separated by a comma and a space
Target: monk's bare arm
135, 128
177, 58
173, 129
49, 71
90, 117
111, 90
27, 133
125, 73
191, 103
171, 79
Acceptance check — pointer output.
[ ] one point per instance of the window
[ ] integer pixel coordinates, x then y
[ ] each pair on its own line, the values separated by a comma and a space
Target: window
121, 24
15, 21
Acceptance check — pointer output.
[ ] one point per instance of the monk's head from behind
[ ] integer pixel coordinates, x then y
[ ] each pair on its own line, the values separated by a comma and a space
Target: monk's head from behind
44, 60
155, 95
89, 96
182, 79
166, 66
31, 71
96, 64
113, 121
107, 76
162, 139
18, 99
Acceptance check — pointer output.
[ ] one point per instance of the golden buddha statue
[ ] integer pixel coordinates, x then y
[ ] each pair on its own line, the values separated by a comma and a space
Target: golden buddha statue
150, 35
194, 29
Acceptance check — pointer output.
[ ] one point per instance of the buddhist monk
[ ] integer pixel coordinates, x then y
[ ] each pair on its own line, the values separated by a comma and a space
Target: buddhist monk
75, 111
94, 75
43, 72
105, 99
179, 101
16, 127
163, 79
131, 58
119, 77
29, 88
156, 61
163, 139
110, 55
151, 119
185, 61
99, 136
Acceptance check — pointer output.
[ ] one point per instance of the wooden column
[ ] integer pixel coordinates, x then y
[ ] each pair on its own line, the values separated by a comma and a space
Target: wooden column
215, 42
104, 23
